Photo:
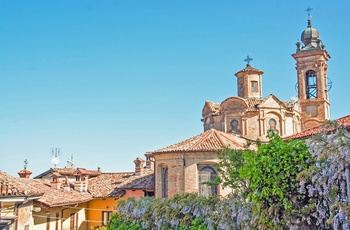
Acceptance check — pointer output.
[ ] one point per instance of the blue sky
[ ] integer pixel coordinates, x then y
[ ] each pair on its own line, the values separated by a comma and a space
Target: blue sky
108, 81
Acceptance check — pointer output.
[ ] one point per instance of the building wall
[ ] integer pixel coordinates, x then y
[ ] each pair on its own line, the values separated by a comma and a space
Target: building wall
134, 193
255, 125
25, 217
182, 171
23, 213
95, 208
60, 217
98, 205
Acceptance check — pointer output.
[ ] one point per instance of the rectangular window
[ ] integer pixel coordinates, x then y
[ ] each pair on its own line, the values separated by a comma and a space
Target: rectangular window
106, 216
254, 86
165, 182
26, 227
48, 221
73, 221
57, 218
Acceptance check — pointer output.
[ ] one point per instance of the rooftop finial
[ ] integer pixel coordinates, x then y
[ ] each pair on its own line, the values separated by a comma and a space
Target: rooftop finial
308, 10
248, 60
25, 164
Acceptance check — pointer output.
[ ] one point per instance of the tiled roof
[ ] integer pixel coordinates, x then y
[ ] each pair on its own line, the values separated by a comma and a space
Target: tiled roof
249, 68
82, 171
114, 184
103, 185
210, 140
343, 121
213, 106
61, 171
69, 172
38, 187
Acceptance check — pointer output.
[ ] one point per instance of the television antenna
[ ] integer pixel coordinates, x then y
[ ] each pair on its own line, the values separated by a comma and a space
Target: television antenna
55, 152
70, 162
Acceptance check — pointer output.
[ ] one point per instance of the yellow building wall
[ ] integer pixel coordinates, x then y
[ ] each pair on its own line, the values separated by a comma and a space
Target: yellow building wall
95, 209
62, 221
98, 205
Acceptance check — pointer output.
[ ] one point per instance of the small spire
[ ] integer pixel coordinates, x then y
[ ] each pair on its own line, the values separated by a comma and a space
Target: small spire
308, 10
25, 164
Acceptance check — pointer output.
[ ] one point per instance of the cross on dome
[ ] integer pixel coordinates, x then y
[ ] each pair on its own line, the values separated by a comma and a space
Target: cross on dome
308, 10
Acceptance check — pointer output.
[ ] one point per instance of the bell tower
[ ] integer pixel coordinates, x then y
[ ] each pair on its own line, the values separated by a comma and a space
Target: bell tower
311, 65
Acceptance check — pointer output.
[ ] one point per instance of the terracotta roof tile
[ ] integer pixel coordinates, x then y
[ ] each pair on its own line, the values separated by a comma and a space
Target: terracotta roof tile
83, 171
214, 107
210, 140
343, 121
40, 187
249, 68
103, 185
69, 172
114, 184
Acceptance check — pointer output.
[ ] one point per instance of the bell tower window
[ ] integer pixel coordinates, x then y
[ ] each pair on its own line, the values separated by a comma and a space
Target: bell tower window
311, 84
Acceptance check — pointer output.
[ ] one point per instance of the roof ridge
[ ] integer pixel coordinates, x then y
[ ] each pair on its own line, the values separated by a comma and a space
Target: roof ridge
205, 135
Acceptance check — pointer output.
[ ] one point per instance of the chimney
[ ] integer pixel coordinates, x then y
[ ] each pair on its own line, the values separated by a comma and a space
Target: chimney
149, 161
85, 183
55, 183
3, 188
66, 185
24, 173
139, 166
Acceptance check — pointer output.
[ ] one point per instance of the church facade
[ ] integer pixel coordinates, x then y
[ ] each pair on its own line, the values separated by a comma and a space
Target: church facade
183, 167
251, 116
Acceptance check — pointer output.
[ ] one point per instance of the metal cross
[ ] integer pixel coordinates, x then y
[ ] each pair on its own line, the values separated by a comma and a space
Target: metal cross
308, 10
248, 59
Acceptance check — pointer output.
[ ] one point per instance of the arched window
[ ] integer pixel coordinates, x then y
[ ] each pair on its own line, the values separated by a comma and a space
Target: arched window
234, 126
206, 173
165, 182
273, 125
311, 84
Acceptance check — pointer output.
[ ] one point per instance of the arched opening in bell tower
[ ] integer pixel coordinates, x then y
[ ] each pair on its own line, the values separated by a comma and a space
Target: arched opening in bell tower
311, 84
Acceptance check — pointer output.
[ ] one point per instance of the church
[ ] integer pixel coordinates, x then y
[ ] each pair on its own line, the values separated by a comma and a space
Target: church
183, 167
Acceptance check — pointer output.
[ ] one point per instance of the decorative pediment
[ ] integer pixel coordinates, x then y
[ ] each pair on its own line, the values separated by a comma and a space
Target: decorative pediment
272, 102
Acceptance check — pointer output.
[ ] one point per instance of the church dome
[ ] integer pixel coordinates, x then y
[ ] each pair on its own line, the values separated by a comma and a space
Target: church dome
310, 37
